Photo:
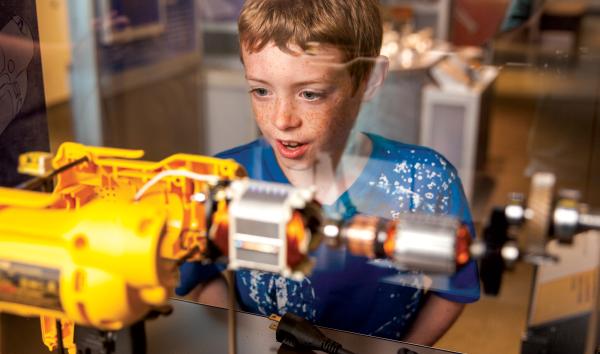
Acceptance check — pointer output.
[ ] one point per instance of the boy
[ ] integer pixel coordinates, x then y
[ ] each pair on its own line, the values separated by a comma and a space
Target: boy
306, 100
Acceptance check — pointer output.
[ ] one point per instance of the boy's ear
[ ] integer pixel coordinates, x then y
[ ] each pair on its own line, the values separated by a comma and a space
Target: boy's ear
377, 77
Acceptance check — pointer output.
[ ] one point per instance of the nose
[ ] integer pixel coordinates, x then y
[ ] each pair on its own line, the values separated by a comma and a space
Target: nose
286, 117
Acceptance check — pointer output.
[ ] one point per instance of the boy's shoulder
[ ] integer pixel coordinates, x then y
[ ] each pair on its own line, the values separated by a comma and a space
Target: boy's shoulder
244, 151
258, 159
396, 152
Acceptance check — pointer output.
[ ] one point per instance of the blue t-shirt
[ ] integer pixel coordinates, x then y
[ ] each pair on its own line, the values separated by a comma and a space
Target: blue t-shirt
345, 291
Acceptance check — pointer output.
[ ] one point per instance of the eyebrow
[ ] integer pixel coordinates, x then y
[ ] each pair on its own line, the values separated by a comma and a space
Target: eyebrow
249, 78
302, 83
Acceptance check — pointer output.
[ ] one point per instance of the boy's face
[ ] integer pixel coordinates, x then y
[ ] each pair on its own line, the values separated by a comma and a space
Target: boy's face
304, 105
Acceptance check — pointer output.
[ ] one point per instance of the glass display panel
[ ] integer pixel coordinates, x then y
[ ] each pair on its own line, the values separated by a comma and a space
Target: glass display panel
432, 164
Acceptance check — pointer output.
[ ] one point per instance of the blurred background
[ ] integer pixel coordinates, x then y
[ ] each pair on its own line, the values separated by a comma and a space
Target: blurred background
502, 88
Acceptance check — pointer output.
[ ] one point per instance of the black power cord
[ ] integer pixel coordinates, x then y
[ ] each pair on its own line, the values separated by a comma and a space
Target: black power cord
298, 333
37, 182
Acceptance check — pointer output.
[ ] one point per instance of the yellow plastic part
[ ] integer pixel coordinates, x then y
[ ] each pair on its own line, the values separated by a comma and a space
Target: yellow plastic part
93, 265
116, 174
89, 253
50, 334
26, 199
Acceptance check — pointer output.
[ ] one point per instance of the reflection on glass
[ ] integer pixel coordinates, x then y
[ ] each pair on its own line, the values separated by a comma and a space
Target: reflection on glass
315, 102
22, 108
308, 79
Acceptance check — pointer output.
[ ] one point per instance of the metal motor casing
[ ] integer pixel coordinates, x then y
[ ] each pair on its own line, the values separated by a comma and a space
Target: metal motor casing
259, 215
427, 243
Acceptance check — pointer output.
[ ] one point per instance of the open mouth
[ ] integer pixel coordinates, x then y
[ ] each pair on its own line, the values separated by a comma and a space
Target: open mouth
291, 145
291, 149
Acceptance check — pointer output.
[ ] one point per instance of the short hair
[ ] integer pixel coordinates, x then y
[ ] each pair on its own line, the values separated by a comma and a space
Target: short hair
352, 26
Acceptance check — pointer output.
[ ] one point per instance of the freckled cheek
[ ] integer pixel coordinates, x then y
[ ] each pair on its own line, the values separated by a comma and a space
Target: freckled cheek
321, 125
341, 121
335, 118
263, 112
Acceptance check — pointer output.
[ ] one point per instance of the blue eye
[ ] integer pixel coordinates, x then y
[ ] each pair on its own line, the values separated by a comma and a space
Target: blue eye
310, 95
260, 92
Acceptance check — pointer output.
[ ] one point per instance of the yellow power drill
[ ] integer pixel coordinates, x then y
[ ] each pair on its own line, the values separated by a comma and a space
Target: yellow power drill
103, 248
